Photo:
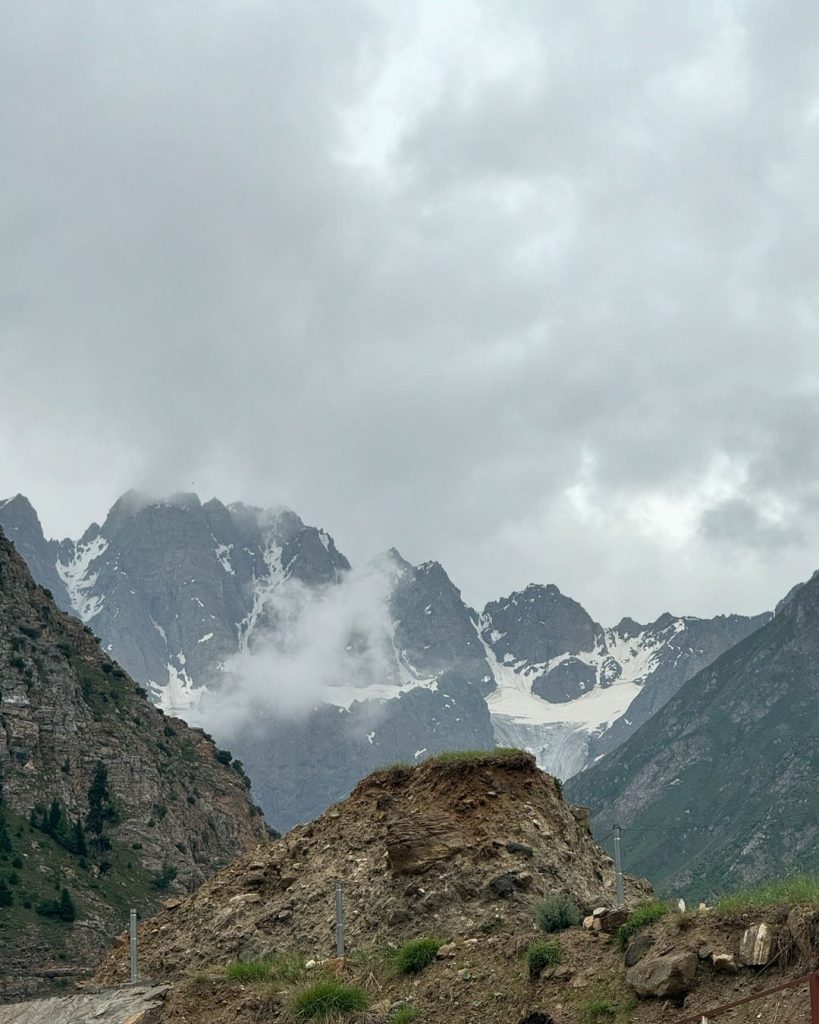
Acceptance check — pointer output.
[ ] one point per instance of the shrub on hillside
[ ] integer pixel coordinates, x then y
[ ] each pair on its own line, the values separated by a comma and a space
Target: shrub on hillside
555, 912
415, 955
62, 909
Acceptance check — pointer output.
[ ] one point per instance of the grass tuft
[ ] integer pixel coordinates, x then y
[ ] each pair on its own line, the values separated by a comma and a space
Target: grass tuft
598, 1011
556, 912
328, 998
796, 891
545, 953
404, 1015
641, 917
287, 967
248, 971
415, 955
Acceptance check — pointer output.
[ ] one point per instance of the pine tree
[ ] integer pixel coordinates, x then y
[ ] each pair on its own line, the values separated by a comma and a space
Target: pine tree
6, 895
68, 912
55, 817
78, 843
5, 838
102, 808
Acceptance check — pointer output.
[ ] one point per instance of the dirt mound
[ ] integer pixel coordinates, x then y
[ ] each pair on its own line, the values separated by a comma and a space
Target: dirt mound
453, 847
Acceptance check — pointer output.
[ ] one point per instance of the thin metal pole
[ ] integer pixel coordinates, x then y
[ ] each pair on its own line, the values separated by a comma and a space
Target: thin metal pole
133, 929
339, 920
814, 997
618, 866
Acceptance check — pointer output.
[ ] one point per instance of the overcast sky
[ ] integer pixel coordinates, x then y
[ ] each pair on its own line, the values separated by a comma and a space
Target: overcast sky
529, 288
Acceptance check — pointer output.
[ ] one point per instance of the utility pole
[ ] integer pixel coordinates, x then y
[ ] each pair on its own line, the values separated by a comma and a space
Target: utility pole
618, 866
133, 930
339, 920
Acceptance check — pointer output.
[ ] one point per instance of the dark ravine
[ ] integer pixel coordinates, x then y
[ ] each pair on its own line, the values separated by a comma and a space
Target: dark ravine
718, 789
173, 813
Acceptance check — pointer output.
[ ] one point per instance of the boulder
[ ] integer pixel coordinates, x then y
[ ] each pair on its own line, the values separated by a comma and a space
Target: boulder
612, 919
504, 886
758, 945
803, 925
588, 922
663, 976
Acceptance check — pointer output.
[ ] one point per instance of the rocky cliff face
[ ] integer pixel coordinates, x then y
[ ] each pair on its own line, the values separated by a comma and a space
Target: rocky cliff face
718, 788
169, 807
570, 690
178, 590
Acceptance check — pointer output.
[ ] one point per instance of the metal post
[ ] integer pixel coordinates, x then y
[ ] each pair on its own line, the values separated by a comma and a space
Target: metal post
618, 867
133, 929
339, 920
814, 997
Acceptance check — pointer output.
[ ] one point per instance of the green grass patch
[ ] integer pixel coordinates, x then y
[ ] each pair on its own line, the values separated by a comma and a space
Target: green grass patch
545, 953
609, 1002
597, 1011
500, 757
328, 998
248, 971
556, 912
796, 891
287, 967
404, 1015
415, 955
641, 917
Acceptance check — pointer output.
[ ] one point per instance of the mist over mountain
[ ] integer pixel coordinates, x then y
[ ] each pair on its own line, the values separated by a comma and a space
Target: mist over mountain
252, 623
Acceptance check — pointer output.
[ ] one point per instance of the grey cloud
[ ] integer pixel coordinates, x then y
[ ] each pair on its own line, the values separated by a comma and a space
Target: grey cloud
587, 254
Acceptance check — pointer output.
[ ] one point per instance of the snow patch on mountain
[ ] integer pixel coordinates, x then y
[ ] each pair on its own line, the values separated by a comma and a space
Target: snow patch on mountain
179, 694
263, 588
78, 578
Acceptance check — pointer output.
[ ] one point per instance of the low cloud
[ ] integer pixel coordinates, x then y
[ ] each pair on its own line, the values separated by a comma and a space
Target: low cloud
317, 645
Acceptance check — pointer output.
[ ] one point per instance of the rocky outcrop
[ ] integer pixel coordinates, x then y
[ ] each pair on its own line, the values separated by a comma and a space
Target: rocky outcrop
446, 848
137, 1005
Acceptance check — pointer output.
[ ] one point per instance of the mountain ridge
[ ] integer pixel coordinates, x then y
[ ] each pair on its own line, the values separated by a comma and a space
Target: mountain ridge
179, 589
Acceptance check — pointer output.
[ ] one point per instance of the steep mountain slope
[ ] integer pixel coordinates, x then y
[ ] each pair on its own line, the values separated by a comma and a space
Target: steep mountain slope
102, 795
719, 787
461, 846
195, 599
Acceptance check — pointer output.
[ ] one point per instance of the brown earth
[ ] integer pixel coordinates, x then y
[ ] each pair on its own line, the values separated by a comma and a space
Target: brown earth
446, 849
486, 982
460, 851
